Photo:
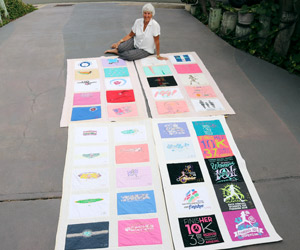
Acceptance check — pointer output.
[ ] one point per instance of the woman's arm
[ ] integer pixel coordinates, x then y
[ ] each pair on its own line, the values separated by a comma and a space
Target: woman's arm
156, 41
125, 38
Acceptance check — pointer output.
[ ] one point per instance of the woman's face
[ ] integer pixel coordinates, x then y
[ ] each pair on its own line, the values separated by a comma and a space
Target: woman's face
147, 16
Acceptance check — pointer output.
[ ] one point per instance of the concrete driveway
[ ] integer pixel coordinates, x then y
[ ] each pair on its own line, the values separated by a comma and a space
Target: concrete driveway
33, 53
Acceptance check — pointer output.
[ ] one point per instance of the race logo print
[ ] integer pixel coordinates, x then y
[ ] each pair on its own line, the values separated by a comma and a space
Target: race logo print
194, 79
90, 178
93, 155
89, 175
123, 134
89, 132
88, 64
85, 64
182, 173
191, 199
87, 85
177, 150
224, 170
122, 110
245, 225
88, 205
214, 146
200, 92
173, 130
182, 58
212, 104
233, 196
95, 134
200, 231
117, 83
162, 94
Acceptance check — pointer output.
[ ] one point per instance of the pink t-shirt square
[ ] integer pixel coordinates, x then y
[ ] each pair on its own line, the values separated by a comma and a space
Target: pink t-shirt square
171, 107
139, 232
134, 177
214, 146
200, 92
132, 153
122, 110
90, 98
187, 68
245, 225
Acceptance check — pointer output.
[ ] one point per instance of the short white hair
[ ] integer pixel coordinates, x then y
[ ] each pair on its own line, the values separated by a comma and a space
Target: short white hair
148, 7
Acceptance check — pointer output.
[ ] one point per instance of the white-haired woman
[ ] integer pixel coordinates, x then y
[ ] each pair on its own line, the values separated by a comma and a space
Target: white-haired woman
142, 40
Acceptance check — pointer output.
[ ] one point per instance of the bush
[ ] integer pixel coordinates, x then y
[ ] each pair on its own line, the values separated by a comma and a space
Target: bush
253, 44
16, 9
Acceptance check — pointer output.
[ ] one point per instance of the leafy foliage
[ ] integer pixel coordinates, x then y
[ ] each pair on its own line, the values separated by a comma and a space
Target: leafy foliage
16, 9
254, 44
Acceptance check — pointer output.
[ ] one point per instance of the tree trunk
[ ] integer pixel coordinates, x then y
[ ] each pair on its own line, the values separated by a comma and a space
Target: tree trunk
287, 24
212, 3
203, 7
286, 5
2, 6
297, 9
265, 22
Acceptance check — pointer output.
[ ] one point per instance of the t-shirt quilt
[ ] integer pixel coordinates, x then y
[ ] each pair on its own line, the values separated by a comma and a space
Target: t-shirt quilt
104, 88
180, 87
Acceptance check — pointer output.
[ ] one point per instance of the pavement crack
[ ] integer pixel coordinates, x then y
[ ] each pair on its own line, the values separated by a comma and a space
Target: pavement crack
277, 179
32, 199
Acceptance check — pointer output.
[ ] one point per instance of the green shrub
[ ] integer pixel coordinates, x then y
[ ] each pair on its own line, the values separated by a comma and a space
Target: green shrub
16, 9
252, 43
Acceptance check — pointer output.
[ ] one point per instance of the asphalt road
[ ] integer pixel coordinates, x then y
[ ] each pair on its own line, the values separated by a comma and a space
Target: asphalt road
33, 53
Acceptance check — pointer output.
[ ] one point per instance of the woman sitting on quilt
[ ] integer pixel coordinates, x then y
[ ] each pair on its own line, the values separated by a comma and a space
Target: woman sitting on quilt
142, 39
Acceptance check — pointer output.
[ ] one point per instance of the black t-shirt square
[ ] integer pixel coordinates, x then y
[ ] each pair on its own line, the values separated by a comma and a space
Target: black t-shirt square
233, 196
225, 169
183, 173
200, 231
161, 81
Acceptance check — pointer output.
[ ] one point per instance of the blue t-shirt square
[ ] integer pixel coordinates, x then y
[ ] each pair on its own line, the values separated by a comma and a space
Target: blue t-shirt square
141, 202
86, 113
208, 128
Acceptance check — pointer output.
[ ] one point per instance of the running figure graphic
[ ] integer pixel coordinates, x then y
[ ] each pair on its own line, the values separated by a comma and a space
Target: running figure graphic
233, 192
244, 219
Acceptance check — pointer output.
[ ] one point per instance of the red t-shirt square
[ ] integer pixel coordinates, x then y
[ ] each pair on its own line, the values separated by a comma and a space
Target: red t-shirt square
116, 96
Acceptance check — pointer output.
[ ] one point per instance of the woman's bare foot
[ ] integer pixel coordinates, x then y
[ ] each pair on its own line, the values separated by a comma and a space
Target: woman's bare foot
112, 51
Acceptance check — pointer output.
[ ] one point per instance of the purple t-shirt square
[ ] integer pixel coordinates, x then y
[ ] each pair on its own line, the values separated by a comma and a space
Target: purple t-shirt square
173, 130
112, 62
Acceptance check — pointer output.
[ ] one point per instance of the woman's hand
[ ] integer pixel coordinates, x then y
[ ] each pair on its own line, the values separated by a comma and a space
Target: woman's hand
115, 45
161, 58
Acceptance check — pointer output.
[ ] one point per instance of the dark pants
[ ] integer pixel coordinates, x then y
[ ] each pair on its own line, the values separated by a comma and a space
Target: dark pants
128, 52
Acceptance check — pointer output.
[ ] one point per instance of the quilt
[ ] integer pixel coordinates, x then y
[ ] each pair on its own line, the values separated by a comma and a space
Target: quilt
180, 87
211, 200
112, 194
105, 88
